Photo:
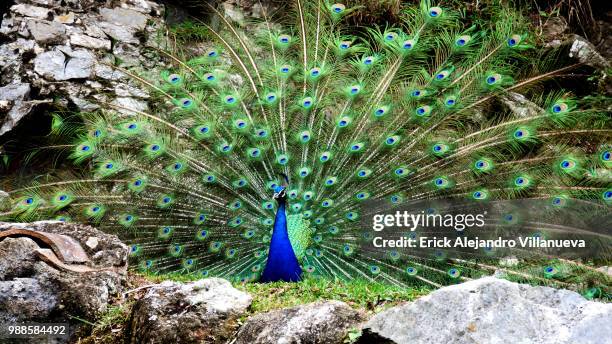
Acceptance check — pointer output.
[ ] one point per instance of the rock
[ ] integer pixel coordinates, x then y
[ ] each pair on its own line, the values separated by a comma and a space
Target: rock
520, 105
30, 11
90, 42
320, 322
45, 32
128, 105
67, 18
204, 311
586, 53
605, 269
15, 92
490, 310
124, 17
65, 64
33, 290
16, 105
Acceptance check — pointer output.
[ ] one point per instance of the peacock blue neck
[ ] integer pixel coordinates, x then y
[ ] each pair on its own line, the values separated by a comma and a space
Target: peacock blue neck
282, 264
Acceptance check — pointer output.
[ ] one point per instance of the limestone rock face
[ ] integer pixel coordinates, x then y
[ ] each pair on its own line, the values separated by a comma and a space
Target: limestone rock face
494, 311
204, 311
321, 322
63, 50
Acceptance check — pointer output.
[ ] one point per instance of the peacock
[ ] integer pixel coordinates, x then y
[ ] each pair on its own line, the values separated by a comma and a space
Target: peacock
259, 155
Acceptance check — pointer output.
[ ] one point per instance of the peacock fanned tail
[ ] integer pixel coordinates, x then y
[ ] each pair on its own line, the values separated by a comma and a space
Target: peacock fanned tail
412, 112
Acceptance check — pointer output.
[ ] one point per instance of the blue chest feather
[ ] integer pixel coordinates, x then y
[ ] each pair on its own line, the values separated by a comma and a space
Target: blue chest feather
282, 264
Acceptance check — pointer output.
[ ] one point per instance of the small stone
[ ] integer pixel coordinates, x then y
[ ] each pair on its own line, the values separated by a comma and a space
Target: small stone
46, 32
129, 105
92, 242
67, 18
124, 17
30, 11
90, 42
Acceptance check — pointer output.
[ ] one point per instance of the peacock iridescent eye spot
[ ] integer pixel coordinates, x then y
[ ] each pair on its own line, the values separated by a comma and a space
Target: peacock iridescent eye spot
416, 93
283, 39
324, 157
519, 134
132, 126
480, 164
29, 200
450, 102
225, 148
439, 181
362, 173
354, 90
607, 195
606, 156
166, 200
261, 133
204, 130
230, 99
380, 112
407, 45
186, 102
62, 197
491, 80
210, 178
284, 70
421, 111
511, 42
240, 124
477, 194
344, 45
307, 103
129, 218
210, 77
212, 53
368, 60
95, 209
461, 42
134, 248
390, 140
137, 182
566, 164
315, 72
174, 78
97, 133
85, 148
271, 97
390, 36
520, 181
338, 8
108, 166
440, 76
435, 12
155, 148
177, 166
437, 148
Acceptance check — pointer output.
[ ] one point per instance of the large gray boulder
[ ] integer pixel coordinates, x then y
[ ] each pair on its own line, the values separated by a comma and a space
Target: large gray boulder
321, 322
491, 310
204, 311
34, 289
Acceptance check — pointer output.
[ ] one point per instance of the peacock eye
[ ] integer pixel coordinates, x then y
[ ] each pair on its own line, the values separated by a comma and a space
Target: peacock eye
132, 126
435, 12
212, 53
108, 166
85, 148
338, 8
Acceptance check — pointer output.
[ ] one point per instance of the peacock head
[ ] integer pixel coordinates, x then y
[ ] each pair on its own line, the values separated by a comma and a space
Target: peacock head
280, 193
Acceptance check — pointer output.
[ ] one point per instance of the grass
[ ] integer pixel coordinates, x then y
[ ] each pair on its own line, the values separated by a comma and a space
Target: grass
359, 294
